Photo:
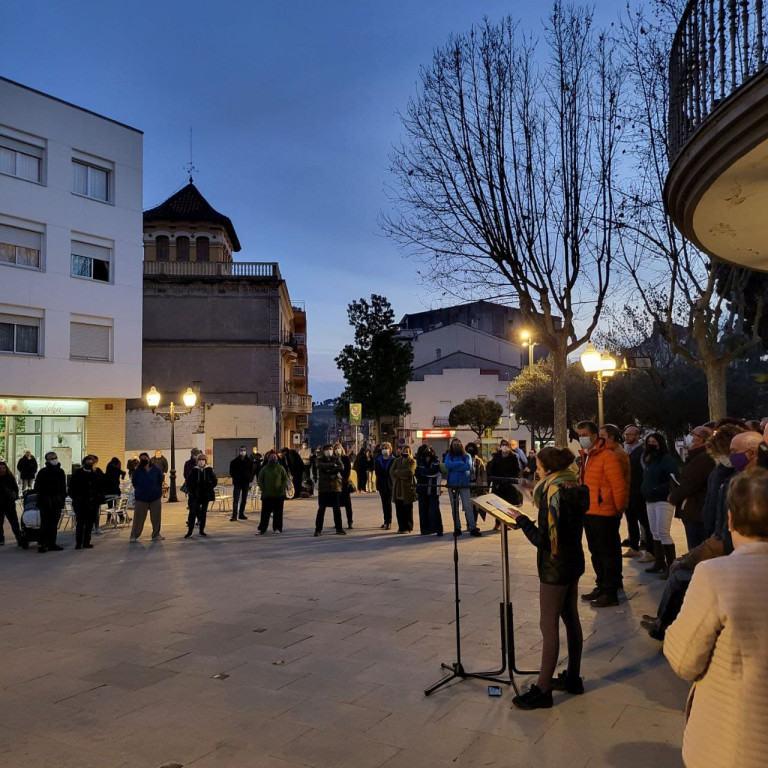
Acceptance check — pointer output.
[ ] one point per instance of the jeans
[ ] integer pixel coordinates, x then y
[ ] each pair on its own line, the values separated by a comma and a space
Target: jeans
345, 500
605, 547
274, 507
660, 514
239, 494
695, 534
454, 494
672, 599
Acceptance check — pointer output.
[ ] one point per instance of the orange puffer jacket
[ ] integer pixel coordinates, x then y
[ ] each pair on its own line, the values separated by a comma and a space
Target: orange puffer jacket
602, 473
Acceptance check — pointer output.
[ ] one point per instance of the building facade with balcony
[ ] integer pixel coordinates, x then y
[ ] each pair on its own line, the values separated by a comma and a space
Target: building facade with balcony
227, 328
717, 187
70, 277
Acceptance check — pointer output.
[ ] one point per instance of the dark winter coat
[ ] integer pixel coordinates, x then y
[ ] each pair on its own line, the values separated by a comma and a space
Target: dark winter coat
147, 483
201, 483
636, 497
241, 471
656, 477
160, 461
86, 488
428, 476
690, 494
51, 487
508, 466
381, 467
27, 467
329, 471
559, 556
113, 474
9, 492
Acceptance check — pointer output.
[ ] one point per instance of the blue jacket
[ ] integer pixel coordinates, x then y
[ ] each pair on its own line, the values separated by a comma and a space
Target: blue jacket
147, 483
459, 469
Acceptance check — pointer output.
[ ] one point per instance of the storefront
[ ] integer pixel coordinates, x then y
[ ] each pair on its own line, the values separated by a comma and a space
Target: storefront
41, 426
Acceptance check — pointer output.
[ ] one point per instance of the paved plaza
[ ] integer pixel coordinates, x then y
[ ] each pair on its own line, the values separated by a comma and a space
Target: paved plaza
277, 651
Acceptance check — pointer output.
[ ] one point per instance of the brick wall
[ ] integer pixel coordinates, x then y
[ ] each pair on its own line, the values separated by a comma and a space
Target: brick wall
105, 429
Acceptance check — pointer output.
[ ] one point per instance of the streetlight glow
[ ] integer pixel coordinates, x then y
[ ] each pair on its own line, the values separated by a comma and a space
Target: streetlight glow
592, 360
190, 398
153, 398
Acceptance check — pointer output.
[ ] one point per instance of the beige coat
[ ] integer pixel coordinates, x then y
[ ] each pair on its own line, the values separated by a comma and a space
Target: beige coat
720, 641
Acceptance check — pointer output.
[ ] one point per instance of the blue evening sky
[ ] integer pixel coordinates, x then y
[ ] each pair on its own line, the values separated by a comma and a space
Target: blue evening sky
293, 109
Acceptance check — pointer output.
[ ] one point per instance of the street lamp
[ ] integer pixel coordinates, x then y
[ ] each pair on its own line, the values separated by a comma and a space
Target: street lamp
171, 414
603, 366
527, 339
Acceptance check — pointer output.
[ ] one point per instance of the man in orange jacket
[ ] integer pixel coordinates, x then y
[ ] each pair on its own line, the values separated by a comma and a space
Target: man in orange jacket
602, 472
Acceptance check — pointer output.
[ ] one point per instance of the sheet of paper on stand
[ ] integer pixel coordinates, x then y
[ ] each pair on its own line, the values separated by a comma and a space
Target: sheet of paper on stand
494, 506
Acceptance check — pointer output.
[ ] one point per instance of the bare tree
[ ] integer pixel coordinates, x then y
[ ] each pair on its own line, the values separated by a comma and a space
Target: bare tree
505, 176
697, 303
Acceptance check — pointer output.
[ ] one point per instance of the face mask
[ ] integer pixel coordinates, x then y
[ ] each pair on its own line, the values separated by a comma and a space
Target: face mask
327, 454
504, 450
201, 464
273, 460
585, 442
88, 467
54, 462
739, 461
144, 462
338, 451
385, 454
652, 448
688, 441
242, 453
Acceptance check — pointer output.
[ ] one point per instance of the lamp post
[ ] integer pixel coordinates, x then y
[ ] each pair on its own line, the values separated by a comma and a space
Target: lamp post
171, 414
603, 366
526, 337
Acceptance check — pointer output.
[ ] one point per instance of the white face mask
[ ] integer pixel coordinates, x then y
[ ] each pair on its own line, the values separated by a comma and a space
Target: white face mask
54, 462
585, 442
385, 453
327, 454
504, 450
242, 453
201, 464
338, 451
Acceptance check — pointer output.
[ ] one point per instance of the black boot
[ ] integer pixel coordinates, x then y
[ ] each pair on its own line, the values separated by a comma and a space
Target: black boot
658, 552
669, 556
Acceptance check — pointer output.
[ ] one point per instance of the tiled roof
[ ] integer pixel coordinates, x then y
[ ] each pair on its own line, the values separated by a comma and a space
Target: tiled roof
188, 205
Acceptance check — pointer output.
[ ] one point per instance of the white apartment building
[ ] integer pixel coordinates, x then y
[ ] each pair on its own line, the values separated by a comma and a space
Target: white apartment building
70, 276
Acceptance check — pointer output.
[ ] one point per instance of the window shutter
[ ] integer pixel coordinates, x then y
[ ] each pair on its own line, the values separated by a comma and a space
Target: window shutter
89, 342
24, 238
92, 251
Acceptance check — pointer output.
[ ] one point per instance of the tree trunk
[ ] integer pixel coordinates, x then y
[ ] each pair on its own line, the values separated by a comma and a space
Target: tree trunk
715, 372
559, 367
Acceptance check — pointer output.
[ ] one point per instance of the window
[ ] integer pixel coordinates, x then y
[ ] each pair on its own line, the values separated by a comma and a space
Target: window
182, 248
91, 262
91, 181
20, 247
88, 341
19, 335
17, 158
202, 245
161, 248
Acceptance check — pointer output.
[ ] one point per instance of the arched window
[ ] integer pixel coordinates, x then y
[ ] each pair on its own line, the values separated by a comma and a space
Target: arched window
182, 248
202, 244
161, 248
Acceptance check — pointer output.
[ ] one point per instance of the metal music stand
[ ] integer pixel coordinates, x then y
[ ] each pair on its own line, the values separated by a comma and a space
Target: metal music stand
495, 506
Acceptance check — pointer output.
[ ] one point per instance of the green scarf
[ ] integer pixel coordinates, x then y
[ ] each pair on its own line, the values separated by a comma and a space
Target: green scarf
551, 485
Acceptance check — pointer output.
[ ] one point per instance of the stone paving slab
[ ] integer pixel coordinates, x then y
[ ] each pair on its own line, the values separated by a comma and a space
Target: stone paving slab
280, 651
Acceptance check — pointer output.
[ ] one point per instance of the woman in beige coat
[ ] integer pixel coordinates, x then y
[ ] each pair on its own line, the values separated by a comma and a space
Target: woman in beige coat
404, 489
720, 640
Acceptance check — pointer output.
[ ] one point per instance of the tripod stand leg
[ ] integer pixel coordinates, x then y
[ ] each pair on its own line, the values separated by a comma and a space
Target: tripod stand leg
457, 673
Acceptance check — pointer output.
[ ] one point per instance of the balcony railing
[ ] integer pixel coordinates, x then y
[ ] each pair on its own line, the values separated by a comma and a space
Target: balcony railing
263, 269
440, 421
297, 403
719, 45
299, 372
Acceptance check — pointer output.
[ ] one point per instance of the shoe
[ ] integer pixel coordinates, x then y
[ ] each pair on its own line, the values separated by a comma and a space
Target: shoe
399, 531
97, 531
631, 553
349, 526
568, 684
42, 550
78, 546
133, 539
275, 530
202, 533
259, 533
233, 519
440, 533
649, 625
475, 532
242, 517
87, 546
188, 534
604, 601
646, 557
593, 595
2, 542
158, 538
648, 617
342, 532
317, 533
55, 548
534, 698
657, 634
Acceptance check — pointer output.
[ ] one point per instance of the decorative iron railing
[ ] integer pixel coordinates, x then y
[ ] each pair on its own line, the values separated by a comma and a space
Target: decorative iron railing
268, 269
719, 46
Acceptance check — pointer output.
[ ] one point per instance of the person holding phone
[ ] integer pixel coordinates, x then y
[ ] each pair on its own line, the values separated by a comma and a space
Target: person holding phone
561, 503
